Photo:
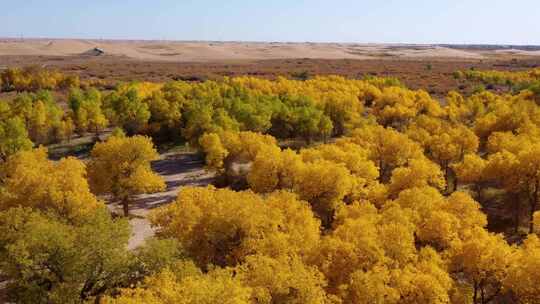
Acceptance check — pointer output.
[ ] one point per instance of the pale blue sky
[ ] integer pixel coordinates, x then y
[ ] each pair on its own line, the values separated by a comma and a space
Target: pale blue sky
390, 21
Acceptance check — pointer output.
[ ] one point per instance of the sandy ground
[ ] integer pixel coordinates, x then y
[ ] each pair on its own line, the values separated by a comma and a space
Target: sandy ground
185, 51
178, 169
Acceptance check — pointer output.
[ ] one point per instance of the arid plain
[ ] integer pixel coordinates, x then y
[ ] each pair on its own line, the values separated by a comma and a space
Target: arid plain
430, 67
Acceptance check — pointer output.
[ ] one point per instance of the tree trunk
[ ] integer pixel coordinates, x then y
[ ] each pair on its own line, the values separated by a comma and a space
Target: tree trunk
475, 294
482, 296
533, 202
531, 218
517, 212
479, 196
125, 206
381, 172
456, 182
446, 178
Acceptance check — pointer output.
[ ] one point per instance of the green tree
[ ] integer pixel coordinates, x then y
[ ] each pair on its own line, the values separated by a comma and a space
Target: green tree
127, 110
50, 261
13, 137
86, 108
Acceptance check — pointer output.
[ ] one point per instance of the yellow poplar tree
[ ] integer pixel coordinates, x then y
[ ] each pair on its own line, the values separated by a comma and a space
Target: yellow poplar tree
285, 279
32, 180
524, 271
217, 286
483, 258
388, 148
120, 166
419, 173
222, 227
324, 184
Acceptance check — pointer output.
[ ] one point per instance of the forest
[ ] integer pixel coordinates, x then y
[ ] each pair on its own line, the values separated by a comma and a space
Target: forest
328, 190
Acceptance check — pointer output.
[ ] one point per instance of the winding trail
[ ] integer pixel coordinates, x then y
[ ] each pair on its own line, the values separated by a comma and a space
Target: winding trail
178, 169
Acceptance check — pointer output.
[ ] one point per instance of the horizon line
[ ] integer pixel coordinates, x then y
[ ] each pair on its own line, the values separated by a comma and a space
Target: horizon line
269, 41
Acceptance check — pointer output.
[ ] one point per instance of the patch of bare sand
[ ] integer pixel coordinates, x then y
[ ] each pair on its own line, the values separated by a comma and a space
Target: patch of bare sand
179, 51
178, 169
435, 51
518, 52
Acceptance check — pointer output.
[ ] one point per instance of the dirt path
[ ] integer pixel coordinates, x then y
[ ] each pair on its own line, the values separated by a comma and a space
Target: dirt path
178, 169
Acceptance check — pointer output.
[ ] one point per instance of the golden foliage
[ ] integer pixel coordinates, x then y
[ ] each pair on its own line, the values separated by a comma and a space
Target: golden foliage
359, 219
222, 227
121, 166
522, 275
36, 182
284, 279
387, 148
218, 286
483, 258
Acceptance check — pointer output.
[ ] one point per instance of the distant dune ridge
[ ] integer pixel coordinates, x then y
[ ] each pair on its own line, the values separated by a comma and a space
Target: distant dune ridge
193, 51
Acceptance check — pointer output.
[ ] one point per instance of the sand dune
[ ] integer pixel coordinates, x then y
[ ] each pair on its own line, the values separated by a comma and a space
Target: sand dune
518, 52
176, 51
212, 51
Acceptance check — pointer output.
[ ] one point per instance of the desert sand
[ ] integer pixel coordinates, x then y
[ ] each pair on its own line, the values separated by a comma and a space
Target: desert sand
417, 66
198, 51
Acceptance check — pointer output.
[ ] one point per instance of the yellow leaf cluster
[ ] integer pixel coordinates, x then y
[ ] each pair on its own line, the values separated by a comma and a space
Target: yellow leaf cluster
32, 180
222, 227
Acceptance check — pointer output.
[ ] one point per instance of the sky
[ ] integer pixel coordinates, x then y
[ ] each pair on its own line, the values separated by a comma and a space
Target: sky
361, 21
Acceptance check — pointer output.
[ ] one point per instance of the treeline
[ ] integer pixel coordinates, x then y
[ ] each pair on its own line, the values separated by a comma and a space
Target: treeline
314, 109
514, 80
394, 209
34, 78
